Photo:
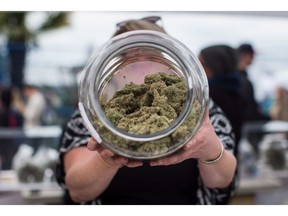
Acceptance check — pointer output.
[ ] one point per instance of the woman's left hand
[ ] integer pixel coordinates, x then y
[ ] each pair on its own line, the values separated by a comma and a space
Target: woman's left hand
205, 145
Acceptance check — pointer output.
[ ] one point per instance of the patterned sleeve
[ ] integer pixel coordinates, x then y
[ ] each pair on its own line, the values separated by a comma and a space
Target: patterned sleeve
74, 135
223, 128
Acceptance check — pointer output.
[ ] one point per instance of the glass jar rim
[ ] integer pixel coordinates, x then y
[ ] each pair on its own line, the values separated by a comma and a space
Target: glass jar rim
144, 38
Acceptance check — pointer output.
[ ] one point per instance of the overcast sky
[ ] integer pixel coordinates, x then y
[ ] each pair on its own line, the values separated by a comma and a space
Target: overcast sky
196, 30
72, 45
88, 30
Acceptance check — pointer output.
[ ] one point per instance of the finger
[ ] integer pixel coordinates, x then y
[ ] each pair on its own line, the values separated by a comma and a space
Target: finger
121, 160
206, 115
92, 144
133, 164
107, 153
190, 144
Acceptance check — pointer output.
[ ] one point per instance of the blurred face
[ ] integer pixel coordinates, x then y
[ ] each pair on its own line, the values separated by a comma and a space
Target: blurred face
248, 58
27, 92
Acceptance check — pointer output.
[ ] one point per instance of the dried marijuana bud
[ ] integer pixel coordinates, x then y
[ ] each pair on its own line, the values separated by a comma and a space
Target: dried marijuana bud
149, 108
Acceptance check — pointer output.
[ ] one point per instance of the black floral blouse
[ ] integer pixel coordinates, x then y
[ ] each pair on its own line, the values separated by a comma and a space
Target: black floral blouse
75, 135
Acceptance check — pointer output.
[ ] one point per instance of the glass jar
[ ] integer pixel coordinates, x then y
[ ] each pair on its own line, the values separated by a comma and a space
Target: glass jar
129, 58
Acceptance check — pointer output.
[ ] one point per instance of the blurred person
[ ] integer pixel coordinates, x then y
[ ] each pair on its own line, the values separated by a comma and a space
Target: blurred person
92, 174
246, 55
220, 65
9, 118
33, 108
252, 111
279, 110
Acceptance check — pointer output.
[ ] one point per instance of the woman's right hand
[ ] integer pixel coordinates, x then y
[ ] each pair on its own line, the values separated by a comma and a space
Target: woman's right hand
111, 158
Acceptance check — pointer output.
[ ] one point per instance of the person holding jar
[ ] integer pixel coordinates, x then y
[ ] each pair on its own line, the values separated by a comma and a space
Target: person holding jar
202, 172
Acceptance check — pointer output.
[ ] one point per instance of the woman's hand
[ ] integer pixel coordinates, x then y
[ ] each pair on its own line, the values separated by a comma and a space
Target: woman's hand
109, 157
205, 145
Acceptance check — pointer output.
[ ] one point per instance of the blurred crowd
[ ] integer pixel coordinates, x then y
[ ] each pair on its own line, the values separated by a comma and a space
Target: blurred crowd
227, 70
24, 106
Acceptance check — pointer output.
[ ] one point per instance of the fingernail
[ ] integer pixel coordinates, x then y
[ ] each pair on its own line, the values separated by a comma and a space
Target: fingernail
108, 153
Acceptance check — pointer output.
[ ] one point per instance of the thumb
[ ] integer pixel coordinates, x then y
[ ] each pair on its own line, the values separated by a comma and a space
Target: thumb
92, 144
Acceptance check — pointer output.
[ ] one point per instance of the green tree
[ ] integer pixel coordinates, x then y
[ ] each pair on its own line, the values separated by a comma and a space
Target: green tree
18, 34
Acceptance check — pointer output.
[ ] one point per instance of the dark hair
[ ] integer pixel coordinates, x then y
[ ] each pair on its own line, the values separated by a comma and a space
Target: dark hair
146, 23
6, 96
245, 48
220, 59
29, 86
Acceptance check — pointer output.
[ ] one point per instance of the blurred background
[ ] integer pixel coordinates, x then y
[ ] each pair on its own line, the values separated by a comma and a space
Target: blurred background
48, 50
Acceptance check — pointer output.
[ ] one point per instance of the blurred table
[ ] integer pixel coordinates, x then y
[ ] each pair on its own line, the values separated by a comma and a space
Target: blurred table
12, 138
35, 132
14, 192
268, 186
249, 188
268, 189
